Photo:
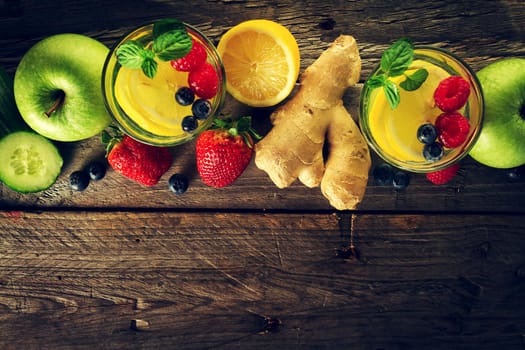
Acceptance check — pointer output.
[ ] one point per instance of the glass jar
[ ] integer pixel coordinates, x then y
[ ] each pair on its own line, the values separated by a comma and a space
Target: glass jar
146, 109
392, 134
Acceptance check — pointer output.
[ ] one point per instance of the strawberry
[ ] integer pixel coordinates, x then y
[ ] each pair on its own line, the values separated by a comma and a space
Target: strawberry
224, 151
204, 81
194, 59
452, 93
443, 176
453, 129
142, 163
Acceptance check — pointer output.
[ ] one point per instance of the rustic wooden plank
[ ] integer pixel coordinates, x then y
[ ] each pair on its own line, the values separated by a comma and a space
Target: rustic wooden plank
375, 24
120, 280
476, 188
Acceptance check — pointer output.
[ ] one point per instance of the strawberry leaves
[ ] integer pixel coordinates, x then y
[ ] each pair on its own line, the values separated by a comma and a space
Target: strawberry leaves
241, 126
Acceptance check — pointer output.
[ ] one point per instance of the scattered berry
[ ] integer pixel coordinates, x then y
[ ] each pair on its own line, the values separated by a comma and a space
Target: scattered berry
453, 129
443, 176
79, 180
383, 174
433, 152
201, 109
185, 96
401, 180
178, 183
96, 170
204, 81
137, 161
189, 123
452, 93
193, 60
427, 133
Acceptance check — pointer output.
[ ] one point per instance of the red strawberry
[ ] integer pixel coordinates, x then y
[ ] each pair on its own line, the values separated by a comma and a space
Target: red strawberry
142, 163
194, 59
453, 129
443, 176
452, 93
204, 81
224, 152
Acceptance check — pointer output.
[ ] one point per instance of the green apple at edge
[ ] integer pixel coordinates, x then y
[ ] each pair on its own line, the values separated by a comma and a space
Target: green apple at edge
501, 143
57, 87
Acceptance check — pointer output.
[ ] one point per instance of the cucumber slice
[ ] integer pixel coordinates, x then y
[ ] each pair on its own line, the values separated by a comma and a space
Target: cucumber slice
28, 162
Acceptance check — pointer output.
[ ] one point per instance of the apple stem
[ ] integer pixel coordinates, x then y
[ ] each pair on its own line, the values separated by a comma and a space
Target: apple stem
60, 96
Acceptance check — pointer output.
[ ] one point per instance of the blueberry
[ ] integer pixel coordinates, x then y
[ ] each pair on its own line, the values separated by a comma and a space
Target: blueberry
383, 174
185, 96
401, 180
189, 123
427, 133
201, 109
79, 180
178, 183
96, 170
433, 152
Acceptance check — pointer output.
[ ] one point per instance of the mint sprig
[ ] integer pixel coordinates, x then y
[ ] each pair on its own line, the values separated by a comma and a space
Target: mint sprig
170, 42
394, 62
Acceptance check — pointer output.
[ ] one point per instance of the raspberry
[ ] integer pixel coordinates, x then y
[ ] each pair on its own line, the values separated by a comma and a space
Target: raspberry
204, 81
453, 129
443, 176
193, 60
451, 93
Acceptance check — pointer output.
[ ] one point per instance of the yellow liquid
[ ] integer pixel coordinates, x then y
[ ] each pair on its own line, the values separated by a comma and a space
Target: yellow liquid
395, 131
151, 102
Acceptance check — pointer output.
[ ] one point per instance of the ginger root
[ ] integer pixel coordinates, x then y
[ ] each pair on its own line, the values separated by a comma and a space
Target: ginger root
294, 146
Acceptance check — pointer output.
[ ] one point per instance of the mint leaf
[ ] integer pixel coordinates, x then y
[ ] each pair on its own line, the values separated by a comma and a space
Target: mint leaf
166, 25
172, 45
397, 58
149, 67
376, 81
130, 54
415, 80
392, 94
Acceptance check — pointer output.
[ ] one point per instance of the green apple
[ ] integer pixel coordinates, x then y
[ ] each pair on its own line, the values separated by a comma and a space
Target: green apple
501, 143
57, 87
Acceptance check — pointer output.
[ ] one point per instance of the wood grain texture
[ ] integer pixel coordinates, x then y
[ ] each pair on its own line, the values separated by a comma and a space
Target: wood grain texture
136, 280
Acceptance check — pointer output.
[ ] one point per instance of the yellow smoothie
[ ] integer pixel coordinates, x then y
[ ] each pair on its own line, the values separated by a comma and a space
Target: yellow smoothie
151, 102
395, 131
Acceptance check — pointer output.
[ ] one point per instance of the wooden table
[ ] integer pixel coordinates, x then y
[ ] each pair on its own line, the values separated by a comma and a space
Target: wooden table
250, 266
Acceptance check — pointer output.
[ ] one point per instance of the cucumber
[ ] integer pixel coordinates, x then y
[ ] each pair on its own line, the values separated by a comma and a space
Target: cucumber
29, 162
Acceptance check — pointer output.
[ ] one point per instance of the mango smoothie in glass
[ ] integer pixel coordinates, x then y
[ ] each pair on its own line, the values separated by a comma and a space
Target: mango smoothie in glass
427, 123
163, 83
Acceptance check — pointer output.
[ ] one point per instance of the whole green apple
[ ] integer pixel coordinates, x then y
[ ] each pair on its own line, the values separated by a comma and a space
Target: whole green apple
501, 143
57, 87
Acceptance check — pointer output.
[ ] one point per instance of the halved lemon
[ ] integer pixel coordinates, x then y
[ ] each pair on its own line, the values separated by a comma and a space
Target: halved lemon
261, 60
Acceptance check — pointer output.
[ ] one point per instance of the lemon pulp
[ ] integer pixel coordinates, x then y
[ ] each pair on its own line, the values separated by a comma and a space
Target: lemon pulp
262, 61
151, 103
395, 131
